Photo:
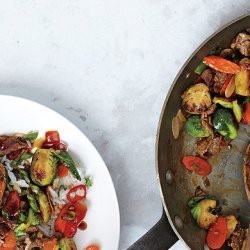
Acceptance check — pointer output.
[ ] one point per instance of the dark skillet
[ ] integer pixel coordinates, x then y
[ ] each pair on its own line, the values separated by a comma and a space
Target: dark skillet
176, 185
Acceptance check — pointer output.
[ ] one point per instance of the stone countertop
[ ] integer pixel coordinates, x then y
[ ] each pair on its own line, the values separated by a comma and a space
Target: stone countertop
107, 67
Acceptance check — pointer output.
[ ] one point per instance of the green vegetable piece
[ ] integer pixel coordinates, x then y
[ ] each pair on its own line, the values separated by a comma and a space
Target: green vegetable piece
42, 169
33, 203
22, 218
237, 110
224, 102
20, 230
68, 161
26, 156
195, 128
31, 136
33, 218
34, 188
223, 123
67, 244
200, 68
45, 209
88, 182
201, 212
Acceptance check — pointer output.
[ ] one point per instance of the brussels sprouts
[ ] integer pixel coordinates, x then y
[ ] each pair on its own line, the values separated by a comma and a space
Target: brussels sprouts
43, 168
201, 212
224, 102
196, 99
223, 123
195, 128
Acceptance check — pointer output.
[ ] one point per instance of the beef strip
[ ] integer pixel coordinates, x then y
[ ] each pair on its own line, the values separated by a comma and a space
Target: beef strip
214, 79
227, 53
208, 76
242, 43
9, 144
219, 80
236, 239
206, 147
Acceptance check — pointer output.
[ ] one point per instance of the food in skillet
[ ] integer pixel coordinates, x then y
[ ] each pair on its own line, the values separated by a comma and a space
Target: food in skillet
42, 195
213, 107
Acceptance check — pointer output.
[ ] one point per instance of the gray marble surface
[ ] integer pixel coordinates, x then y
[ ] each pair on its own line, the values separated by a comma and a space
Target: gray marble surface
107, 65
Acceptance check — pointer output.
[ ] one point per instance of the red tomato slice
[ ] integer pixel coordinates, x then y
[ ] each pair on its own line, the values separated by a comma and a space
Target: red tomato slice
197, 164
217, 233
52, 136
77, 193
221, 64
12, 203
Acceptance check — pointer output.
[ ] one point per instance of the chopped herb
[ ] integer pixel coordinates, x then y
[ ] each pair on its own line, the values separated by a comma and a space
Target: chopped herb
200, 68
31, 136
88, 182
33, 203
65, 158
26, 156
22, 218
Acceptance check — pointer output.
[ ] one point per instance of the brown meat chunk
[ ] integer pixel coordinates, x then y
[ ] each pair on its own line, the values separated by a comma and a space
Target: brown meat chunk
219, 80
236, 239
242, 43
227, 53
208, 76
214, 79
210, 146
9, 144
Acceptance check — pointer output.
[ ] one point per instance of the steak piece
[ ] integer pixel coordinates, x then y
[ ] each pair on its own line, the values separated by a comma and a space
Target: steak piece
236, 239
214, 79
207, 147
9, 144
242, 43
219, 80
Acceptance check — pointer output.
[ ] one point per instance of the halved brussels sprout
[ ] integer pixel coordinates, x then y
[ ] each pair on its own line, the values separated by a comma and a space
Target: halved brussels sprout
196, 99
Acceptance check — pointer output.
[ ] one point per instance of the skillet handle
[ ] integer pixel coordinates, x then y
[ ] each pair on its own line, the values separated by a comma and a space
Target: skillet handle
160, 237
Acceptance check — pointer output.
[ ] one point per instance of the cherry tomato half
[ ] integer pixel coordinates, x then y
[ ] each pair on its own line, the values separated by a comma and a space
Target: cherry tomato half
52, 136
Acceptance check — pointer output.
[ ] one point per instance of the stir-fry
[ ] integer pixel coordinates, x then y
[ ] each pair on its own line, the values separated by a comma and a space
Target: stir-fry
42, 195
212, 110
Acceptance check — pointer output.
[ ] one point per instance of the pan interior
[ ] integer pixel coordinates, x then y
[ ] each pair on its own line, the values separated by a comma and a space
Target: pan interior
226, 179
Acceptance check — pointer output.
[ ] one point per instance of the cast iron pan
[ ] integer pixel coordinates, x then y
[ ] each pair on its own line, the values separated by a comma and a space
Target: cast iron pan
176, 185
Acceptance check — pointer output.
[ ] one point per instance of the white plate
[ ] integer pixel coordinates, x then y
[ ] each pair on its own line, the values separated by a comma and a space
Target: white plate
103, 219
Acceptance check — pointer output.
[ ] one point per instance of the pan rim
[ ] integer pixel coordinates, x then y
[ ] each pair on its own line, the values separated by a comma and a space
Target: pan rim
164, 202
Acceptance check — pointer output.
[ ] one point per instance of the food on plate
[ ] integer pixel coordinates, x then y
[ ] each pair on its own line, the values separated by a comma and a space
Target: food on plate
42, 195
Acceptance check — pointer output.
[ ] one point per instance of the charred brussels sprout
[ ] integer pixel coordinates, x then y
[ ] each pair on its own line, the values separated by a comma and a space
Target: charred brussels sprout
43, 168
45, 209
201, 212
224, 102
196, 99
67, 244
224, 124
195, 128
